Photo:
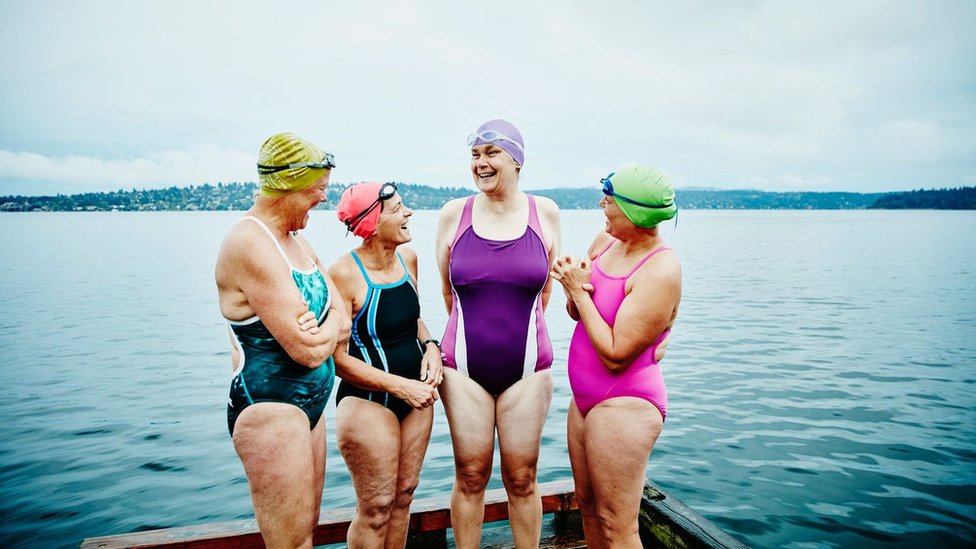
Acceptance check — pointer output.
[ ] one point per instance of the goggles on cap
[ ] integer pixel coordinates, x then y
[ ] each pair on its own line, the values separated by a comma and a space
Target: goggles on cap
326, 163
608, 190
386, 192
490, 136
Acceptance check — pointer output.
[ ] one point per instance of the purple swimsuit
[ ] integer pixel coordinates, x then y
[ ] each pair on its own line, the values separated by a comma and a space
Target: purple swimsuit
496, 333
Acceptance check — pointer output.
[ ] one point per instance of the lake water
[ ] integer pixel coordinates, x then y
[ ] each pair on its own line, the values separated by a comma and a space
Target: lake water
822, 376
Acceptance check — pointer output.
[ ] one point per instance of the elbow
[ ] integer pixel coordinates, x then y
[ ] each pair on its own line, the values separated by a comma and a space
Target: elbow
312, 358
615, 363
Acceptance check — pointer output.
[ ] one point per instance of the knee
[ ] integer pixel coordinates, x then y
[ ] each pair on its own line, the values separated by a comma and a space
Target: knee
471, 479
375, 511
404, 496
520, 483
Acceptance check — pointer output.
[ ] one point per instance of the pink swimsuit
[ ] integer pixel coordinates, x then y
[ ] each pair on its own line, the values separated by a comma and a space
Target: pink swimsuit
591, 381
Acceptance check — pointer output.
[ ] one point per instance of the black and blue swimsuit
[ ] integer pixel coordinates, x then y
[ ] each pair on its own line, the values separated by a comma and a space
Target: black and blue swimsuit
384, 335
265, 372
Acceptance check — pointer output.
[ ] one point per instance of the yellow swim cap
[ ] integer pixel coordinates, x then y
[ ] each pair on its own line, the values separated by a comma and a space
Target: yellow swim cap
287, 163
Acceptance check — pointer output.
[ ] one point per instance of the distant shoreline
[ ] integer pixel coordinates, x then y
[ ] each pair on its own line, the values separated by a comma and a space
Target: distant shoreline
238, 197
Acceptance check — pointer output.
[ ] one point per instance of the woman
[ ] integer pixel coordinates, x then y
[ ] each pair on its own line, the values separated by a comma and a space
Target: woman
385, 399
625, 307
267, 277
494, 250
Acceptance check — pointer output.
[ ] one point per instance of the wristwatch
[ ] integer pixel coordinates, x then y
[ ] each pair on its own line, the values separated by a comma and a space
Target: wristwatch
434, 341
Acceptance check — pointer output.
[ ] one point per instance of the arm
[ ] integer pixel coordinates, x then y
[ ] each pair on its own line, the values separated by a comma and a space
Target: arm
431, 367
253, 280
350, 284
601, 240
549, 219
447, 226
648, 309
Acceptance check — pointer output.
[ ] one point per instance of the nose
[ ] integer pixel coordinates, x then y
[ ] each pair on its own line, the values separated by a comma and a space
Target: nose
407, 212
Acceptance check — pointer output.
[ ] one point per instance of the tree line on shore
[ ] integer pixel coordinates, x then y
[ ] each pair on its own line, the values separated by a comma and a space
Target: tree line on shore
238, 196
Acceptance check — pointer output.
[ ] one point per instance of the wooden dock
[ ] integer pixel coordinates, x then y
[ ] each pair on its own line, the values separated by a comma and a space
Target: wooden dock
664, 522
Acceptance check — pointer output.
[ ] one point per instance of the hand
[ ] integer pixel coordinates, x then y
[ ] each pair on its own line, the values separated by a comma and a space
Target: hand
432, 367
416, 393
573, 274
308, 322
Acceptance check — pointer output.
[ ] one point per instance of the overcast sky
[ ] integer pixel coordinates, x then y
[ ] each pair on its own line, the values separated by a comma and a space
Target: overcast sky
856, 95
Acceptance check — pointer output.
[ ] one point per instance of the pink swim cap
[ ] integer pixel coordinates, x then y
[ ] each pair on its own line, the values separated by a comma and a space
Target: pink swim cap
354, 201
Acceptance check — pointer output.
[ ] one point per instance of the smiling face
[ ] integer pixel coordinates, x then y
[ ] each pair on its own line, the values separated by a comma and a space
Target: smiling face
616, 220
394, 218
303, 201
492, 167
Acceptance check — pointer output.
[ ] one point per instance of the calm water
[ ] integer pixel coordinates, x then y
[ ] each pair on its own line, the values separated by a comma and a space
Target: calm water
822, 376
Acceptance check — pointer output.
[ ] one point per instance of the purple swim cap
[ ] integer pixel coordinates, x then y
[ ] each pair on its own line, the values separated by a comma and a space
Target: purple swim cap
502, 134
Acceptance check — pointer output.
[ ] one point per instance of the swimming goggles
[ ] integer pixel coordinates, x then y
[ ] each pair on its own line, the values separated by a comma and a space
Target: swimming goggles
326, 163
386, 192
608, 190
490, 136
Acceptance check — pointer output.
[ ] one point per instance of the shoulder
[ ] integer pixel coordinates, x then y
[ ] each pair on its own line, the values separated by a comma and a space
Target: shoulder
409, 256
344, 270
449, 219
546, 205
246, 243
452, 209
601, 241
410, 259
664, 268
547, 209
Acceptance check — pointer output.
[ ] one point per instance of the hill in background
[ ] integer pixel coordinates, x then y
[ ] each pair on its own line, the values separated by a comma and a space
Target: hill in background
238, 196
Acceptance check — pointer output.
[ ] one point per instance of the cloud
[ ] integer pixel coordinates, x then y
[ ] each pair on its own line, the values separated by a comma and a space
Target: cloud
202, 164
863, 96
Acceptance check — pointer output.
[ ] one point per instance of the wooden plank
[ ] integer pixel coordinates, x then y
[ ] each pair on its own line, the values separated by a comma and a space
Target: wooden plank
671, 524
428, 515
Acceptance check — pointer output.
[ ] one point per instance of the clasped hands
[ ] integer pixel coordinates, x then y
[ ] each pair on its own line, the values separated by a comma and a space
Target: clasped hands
574, 275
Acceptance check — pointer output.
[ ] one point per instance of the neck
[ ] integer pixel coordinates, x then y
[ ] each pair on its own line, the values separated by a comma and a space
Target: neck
271, 217
502, 201
377, 256
641, 242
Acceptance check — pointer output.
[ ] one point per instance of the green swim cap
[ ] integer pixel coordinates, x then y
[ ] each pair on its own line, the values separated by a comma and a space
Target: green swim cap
643, 193
283, 149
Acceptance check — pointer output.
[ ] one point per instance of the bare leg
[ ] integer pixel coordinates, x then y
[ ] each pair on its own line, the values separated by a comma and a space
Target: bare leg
318, 461
276, 447
471, 417
618, 436
581, 478
521, 412
414, 437
369, 441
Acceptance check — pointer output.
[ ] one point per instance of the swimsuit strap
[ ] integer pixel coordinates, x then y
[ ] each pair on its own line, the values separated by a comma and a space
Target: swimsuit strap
599, 255
369, 282
534, 223
654, 252
273, 239
466, 219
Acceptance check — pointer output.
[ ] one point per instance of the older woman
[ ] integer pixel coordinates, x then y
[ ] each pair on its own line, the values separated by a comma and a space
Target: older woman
267, 277
385, 400
625, 305
494, 250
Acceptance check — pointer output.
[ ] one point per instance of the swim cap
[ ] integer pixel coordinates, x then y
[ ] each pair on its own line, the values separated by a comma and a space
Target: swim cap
650, 187
283, 149
354, 201
506, 129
